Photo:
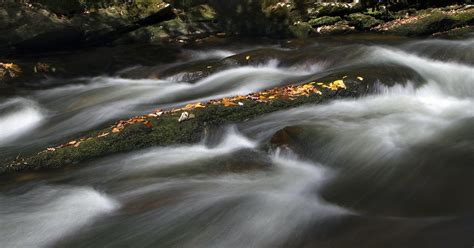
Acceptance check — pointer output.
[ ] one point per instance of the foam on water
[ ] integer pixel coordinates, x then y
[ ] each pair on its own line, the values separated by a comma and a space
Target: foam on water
445, 78
17, 117
44, 215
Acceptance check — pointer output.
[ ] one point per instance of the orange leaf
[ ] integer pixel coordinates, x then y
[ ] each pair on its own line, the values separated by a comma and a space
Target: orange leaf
148, 124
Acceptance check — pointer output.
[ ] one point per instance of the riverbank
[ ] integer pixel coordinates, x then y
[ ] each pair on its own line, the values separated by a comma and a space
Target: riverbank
43, 40
46, 26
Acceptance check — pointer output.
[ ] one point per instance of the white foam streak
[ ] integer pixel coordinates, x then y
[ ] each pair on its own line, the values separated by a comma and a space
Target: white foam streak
26, 116
158, 158
447, 78
44, 215
273, 207
210, 54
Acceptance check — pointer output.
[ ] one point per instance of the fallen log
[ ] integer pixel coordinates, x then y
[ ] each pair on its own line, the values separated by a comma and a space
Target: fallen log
187, 124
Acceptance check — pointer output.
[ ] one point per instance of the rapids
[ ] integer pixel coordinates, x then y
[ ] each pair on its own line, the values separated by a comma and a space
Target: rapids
390, 169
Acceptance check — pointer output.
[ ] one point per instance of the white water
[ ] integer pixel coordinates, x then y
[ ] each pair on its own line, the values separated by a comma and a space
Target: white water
360, 169
44, 215
25, 116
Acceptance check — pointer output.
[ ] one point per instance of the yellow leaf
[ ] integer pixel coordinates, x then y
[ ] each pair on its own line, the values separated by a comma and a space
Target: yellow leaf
318, 92
199, 105
247, 57
360, 78
339, 84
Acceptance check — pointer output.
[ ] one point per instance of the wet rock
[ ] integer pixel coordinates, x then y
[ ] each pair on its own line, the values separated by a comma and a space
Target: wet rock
256, 56
192, 72
287, 138
362, 22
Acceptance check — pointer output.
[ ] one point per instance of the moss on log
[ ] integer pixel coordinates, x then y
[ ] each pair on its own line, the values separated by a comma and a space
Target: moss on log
163, 128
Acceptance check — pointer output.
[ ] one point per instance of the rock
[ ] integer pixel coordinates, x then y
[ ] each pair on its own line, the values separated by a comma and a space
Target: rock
287, 137
77, 32
325, 20
301, 30
338, 28
201, 13
60, 7
19, 22
337, 9
362, 22
429, 22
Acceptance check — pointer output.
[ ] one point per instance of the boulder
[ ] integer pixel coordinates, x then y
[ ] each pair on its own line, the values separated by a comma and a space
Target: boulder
324, 20
362, 22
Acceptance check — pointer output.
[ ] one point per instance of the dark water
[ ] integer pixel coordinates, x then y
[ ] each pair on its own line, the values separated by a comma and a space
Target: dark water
391, 169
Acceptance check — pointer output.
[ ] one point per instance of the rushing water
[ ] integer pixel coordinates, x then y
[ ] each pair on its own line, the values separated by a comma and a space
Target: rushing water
390, 169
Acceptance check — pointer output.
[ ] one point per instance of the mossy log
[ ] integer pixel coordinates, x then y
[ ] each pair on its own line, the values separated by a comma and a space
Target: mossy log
164, 129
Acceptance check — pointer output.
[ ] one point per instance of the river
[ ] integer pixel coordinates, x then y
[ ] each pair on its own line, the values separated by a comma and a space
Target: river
394, 168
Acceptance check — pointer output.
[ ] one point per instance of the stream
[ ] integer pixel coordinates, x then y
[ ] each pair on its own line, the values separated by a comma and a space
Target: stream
394, 168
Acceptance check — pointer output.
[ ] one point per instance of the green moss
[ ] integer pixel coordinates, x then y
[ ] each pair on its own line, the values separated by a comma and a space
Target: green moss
362, 22
301, 30
201, 13
325, 20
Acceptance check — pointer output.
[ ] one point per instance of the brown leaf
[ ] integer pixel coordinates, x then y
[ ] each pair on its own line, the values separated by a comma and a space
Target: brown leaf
148, 124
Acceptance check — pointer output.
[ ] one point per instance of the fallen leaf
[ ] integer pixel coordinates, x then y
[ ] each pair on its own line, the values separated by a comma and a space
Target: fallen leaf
148, 124
103, 135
